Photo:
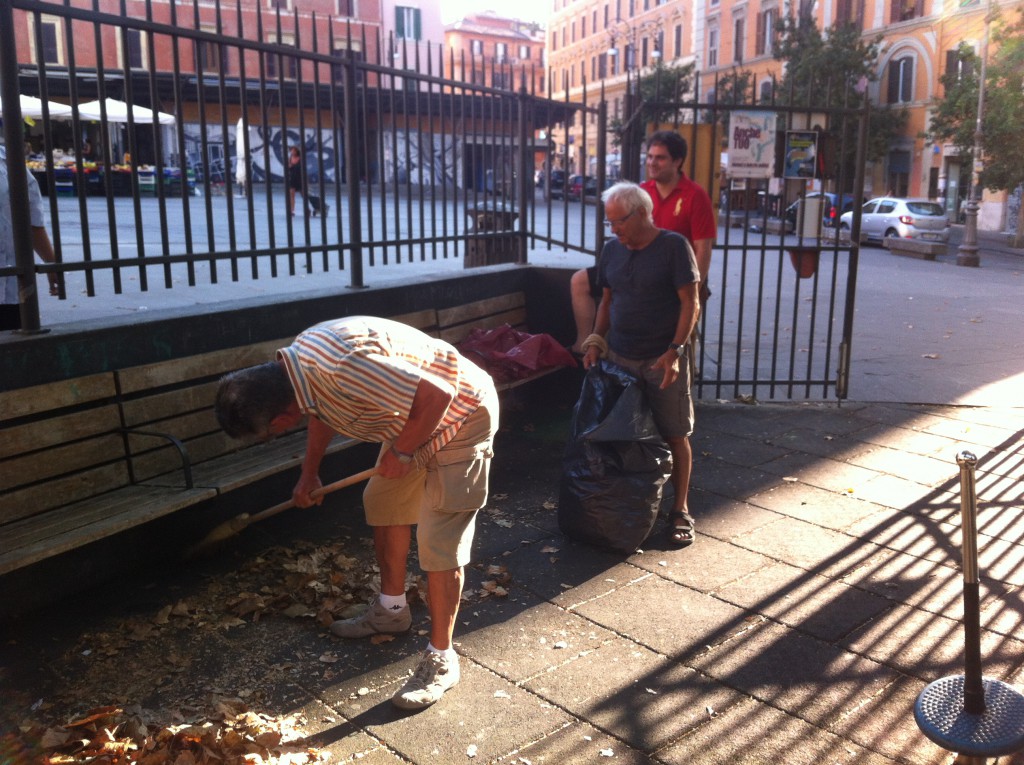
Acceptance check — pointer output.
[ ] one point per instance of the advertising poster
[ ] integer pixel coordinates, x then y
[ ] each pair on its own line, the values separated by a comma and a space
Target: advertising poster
751, 144
801, 154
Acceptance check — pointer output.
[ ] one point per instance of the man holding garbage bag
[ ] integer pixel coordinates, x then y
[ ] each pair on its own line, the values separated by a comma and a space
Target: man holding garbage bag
649, 282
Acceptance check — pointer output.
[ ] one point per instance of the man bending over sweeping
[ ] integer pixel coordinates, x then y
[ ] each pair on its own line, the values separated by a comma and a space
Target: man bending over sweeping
434, 413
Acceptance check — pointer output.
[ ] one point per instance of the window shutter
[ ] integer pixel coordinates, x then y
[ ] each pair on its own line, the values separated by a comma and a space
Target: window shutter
399, 22
894, 82
761, 19
417, 33
907, 79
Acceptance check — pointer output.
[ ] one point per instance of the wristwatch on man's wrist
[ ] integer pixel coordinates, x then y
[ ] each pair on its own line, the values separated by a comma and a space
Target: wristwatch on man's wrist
679, 348
404, 457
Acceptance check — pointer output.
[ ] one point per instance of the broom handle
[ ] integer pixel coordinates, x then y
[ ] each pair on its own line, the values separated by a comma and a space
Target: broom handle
339, 484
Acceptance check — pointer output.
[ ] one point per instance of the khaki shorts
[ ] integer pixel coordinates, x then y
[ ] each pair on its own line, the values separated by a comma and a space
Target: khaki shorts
673, 407
443, 496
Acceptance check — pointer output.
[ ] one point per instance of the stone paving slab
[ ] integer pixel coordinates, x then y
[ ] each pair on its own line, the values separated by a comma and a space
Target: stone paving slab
799, 628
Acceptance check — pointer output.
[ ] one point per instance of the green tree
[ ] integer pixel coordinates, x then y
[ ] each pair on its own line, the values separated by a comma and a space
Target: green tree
653, 97
834, 69
1002, 134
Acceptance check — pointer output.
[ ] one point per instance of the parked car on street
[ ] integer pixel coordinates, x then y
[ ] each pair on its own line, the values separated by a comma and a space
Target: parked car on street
884, 218
831, 209
557, 184
580, 186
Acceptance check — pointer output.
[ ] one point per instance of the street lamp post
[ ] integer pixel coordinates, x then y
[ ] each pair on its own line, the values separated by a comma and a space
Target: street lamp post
967, 254
629, 139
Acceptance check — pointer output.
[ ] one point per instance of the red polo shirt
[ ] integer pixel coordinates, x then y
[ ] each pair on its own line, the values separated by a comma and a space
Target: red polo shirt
687, 210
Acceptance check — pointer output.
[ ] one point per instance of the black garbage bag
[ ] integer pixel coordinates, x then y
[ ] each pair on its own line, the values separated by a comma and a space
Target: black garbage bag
615, 463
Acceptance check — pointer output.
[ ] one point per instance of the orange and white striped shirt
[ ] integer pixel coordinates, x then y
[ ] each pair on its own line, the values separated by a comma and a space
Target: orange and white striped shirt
358, 375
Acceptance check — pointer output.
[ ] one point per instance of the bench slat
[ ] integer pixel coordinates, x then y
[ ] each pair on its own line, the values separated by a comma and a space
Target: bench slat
66, 490
57, 395
204, 365
59, 430
60, 460
34, 539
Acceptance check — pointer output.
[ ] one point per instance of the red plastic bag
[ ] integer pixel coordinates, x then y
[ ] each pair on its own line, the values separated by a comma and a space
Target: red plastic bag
508, 354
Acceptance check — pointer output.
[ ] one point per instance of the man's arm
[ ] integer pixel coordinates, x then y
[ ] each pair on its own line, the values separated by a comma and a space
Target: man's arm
688, 312
318, 438
429, 405
602, 323
44, 249
702, 251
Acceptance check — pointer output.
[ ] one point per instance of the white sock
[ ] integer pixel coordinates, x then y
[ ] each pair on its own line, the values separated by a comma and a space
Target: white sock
448, 653
392, 602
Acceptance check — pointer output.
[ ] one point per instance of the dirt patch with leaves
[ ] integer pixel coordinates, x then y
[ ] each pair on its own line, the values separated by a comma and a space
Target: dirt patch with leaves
155, 687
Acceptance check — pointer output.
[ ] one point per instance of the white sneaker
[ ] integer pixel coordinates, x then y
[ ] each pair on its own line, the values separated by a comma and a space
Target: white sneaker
435, 674
375, 620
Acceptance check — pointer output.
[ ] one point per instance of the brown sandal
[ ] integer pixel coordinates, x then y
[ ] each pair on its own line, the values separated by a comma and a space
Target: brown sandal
681, 530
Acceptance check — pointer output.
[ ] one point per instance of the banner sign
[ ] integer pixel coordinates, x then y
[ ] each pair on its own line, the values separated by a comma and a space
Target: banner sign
751, 144
801, 154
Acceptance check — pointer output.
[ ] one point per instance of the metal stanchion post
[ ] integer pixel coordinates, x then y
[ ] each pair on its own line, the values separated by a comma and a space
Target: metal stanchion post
976, 717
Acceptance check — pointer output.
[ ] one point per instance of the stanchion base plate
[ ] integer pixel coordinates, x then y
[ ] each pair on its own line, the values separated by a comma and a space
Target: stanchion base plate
998, 731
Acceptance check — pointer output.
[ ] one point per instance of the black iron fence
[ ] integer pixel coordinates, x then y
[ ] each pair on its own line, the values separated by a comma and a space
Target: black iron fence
173, 168
399, 164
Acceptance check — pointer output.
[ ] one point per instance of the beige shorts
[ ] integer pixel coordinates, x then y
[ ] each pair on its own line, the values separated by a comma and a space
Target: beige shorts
443, 497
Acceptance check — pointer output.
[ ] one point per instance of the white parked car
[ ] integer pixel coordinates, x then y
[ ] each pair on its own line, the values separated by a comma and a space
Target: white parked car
888, 217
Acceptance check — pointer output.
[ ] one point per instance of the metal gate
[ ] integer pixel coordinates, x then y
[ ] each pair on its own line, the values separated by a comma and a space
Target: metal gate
784, 267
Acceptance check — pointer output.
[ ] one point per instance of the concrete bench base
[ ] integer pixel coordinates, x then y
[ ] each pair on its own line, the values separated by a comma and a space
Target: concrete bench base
917, 248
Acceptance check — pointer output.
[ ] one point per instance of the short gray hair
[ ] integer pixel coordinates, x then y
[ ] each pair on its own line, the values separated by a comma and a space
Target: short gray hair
629, 195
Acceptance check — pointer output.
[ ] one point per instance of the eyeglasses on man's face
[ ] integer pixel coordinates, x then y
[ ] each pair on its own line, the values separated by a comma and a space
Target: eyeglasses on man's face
610, 224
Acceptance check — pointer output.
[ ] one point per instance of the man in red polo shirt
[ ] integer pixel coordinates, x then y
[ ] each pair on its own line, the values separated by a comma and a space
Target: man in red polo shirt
680, 205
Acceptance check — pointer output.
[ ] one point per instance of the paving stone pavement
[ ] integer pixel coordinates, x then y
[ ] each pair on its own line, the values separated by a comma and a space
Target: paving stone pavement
822, 595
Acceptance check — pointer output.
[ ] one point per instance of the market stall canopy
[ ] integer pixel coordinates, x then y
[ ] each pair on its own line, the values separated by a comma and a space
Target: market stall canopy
117, 111
32, 108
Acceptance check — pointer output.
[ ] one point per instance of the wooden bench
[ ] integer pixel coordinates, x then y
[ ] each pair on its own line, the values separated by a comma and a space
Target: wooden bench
916, 248
86, 458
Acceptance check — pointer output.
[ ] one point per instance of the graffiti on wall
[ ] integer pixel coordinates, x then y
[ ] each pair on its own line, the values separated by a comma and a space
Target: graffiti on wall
266, 152
422, 159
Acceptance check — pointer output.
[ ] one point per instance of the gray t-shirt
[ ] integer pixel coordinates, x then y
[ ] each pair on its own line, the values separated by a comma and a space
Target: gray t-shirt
645, 297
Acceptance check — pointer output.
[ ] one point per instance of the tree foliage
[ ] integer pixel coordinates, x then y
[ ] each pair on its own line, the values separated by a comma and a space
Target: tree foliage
1002, 134
835, 69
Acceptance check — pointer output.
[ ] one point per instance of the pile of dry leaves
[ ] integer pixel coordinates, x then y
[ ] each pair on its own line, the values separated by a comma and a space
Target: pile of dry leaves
159, 712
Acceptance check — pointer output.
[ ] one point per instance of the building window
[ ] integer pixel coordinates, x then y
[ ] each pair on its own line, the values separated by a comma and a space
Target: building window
766, 92
500, 52
133, 49
602, 65
344, 8
554, 41
524, 52
766, 31
407, 23
901, 80
212, 56
738, 39
583, 28
286, 66
904, 10
49, 31
955, 64
850, 12
712, 47
677, 41
342, 52
476, 47
606, 16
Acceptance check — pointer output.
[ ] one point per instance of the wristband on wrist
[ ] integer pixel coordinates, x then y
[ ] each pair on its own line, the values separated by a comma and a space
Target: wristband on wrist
404, 457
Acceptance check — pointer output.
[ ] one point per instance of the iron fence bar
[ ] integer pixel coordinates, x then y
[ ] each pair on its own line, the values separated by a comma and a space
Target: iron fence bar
229, 192
354, 202
133, 151
268, 191
42, 80
179, 133
157, 105
17, 174
243, 105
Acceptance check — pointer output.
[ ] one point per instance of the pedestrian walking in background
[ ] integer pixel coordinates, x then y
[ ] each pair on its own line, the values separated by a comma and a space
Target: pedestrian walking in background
295, 185
434, 413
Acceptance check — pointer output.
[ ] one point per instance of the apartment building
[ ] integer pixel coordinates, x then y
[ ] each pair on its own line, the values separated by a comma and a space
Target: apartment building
496, 51
919, 43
